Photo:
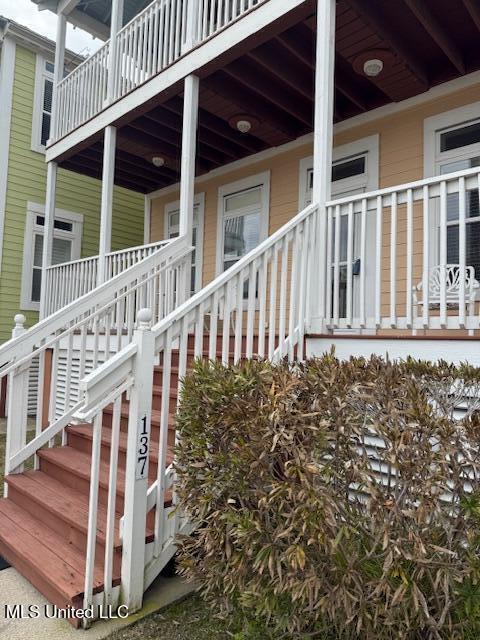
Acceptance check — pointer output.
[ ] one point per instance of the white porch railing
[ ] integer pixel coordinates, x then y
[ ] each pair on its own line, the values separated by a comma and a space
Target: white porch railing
397, 258
148, 44
69, 281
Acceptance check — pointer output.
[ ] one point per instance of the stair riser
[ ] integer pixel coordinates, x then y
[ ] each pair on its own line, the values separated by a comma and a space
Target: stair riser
79, 483
38, 580
107, 422
71, 532
85, 445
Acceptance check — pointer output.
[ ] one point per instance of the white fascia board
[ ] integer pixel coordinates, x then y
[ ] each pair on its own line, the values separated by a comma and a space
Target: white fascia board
7, 72
190, 63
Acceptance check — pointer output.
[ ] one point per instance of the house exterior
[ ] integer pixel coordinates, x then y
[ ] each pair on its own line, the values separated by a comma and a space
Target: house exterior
311, 178
26, 82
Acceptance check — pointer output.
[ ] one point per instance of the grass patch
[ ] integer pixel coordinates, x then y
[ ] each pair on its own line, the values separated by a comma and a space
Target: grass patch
190, 619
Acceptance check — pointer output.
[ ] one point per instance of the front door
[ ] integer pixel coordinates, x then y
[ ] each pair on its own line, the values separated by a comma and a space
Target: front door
350, 177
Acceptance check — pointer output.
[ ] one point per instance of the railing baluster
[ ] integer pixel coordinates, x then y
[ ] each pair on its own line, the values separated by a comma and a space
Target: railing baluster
426, 257
393, 261
443, 254
378, 263
283, 298
273, 301
262, 301
409, 257
252, 287
363, 262
336, 268
462, 237
350, 232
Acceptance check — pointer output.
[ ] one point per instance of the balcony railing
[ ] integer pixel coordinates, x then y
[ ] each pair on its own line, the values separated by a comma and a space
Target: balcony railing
405, 257
148, 44
69, 281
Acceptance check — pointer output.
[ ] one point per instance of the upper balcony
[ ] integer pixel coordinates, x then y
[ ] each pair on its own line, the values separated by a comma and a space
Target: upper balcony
255, 60
162, 34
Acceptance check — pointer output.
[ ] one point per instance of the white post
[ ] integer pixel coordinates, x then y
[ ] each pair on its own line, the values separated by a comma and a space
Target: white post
59, 66
189, 144
52, 166
116, 22
108, 173
322, 153
17, 406
136, 472
48, 226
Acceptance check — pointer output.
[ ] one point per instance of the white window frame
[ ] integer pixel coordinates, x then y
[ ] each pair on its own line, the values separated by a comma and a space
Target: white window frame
41, 74
260, 179
33, 210
367, 181
199, 201
434, 126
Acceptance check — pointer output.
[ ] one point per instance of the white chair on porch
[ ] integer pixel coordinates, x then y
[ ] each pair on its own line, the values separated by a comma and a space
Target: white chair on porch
452, 290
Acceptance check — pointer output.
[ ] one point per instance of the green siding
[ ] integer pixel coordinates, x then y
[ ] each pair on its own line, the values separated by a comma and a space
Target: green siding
27, 181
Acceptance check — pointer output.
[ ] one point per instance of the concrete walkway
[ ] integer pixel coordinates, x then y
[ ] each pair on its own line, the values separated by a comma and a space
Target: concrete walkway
14, 589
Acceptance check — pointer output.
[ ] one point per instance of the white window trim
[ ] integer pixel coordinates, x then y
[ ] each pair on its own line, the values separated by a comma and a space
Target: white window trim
199, 201
446, 120
34, 209
369, 180
433, 157
260, 179
40, 75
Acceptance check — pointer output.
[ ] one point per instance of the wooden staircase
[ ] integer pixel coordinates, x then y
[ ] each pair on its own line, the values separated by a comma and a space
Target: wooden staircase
44, 519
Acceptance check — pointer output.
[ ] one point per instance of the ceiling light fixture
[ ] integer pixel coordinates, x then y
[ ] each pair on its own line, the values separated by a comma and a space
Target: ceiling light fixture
244, 126
372, 68
243, 123
158, 161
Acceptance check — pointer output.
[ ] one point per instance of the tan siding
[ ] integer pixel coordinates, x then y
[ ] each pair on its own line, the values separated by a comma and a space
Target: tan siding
401, 160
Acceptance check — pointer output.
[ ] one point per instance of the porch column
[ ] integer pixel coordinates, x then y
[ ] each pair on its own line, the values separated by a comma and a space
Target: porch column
108, 172
322, 154
51, 187
187, 175
116, 23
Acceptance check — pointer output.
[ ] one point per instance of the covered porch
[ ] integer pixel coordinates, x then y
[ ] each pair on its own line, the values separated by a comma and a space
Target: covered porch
399, 251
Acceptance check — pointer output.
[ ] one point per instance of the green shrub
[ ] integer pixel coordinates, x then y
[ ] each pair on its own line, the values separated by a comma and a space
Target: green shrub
335, 499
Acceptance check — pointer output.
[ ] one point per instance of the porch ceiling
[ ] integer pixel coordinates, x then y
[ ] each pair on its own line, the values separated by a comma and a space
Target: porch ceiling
422, 42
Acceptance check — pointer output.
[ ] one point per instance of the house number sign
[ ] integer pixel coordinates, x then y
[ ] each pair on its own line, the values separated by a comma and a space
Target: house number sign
143, 443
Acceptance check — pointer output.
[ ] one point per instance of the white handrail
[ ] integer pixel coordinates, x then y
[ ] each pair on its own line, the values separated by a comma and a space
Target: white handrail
407, 229
22, 345
68, 281
233, 271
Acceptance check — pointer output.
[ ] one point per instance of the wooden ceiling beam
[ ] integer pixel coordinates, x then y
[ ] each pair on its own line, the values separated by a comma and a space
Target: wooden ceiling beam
251, 103
135, 164
87, 158
392, 36
285, 68
211, 122
437, 32
473, 8
163, 117
167, 136
266, 85
300, 42
87, 170
128, 137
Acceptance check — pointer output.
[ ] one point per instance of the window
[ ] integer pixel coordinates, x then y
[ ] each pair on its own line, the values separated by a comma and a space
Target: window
172, 227
453, 144
354, 170
243, 218
42, 111
67, 237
